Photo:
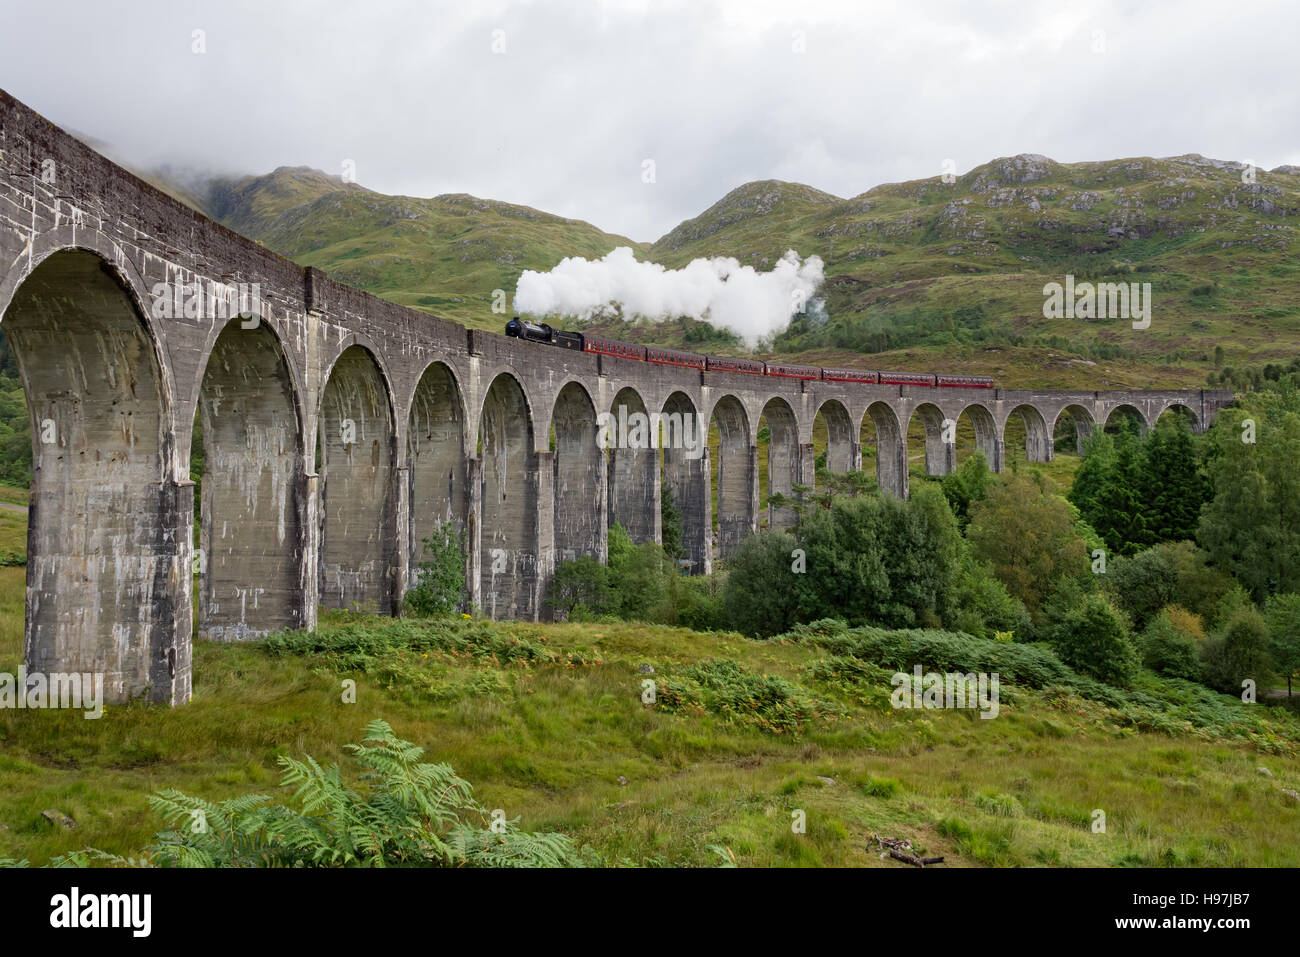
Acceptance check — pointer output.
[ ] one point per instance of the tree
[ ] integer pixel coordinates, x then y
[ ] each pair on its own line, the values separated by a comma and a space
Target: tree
1251, 527
1092, 475
1093, 638
1169, 650
1142, 584
1026, 534
1121, 518
440, 579
580, 584
1173, 489
637, 575
1282, 614
968, 484
1239, 651
670, 523
762, 594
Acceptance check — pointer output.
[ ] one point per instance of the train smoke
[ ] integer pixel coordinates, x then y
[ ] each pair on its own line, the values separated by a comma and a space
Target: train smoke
719, 291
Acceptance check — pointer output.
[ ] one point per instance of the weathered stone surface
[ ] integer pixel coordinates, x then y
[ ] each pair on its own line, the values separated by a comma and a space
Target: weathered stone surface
341, 429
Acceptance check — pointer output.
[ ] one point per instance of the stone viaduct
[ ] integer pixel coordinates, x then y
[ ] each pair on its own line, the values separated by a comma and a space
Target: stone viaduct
339, 429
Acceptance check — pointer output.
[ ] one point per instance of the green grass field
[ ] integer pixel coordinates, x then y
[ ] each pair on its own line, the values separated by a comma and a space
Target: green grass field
552, 744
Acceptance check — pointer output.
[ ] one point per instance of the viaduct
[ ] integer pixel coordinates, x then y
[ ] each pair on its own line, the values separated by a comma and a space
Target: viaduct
340, 429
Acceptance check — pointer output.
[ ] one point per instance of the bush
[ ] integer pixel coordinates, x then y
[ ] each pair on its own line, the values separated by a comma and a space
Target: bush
579, 587
762, 594
638, 576
696, 602
1142, 584
727, 689
439, 585
983, 606
944, 651
1170, 651
1185, 621
1238, 651
1093, 638
1026, 534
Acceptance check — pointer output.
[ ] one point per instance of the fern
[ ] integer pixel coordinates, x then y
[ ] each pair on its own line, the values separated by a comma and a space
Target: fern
412, 814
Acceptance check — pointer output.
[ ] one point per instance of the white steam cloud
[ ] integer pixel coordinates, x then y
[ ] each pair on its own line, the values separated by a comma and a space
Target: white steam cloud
719, 291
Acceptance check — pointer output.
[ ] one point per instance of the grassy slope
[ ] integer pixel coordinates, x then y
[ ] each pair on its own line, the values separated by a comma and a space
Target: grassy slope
445, 255
1220, 255
549, 743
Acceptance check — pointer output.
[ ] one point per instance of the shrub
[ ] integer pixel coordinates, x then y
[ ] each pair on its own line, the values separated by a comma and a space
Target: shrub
696, 602
939, 651
1188, 623
1025, 532
727, 689
1239, 650
440, 579
638, 575
1142, 584
579, 586
1170, 651
1093, 638
762, 594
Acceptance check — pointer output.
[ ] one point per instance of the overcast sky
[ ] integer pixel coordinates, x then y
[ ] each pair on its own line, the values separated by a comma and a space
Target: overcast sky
559, 105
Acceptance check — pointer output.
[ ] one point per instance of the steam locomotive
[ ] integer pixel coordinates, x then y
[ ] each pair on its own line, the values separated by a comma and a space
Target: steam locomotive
582, 342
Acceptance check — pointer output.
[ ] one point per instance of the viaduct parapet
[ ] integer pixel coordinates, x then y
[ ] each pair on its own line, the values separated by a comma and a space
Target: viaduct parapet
340, 429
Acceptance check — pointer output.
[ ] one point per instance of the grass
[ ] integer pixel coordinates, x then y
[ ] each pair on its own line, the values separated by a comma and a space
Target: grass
551, 731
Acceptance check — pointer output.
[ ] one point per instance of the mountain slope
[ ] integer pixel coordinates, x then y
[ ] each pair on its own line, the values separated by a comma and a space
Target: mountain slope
444, 255
920, 274
927, 273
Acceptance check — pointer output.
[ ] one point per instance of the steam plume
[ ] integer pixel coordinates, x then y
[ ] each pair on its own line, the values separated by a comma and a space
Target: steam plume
719, 291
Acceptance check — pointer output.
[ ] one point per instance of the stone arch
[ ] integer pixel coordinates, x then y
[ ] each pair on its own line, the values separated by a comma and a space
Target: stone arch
940, 452
684, 442
1183, 411
108, 547
1038, 439
1080, 418
891, 450
358, 541
252, 518
985, 427
783, 460
509, 561
1125, 410
842, 452
737, 481
438, 469
580, 480
633, 468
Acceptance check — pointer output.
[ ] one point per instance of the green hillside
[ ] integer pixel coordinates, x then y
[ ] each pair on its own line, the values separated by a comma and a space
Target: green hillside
951, 275
444, 255
921, 274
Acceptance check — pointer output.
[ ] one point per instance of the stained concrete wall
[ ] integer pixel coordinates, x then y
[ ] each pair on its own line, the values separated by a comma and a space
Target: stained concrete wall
358, 550
253, 490
122, 377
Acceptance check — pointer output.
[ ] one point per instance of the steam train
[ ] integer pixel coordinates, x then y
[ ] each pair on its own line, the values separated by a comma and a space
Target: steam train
581, 342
